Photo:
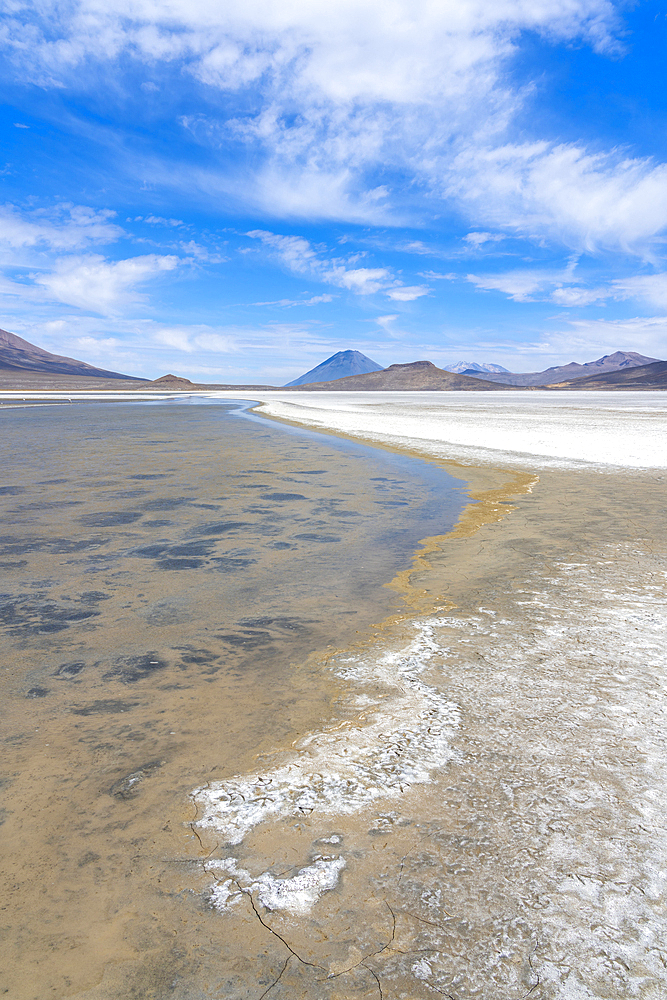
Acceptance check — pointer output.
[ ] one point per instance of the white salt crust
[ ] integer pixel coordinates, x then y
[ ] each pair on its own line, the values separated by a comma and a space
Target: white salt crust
393, 744
573, 675
296, 895
548, 429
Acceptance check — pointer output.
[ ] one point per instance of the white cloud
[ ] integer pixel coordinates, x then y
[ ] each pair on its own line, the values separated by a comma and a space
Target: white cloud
650, 288
190, 339
300, 257
519, 285
564, 289
337, 89
407, 293
98, 346
314, 300
589, 339
575, 295
479, 239
62, 227
214, 342
157, 220
583, 200
98, 285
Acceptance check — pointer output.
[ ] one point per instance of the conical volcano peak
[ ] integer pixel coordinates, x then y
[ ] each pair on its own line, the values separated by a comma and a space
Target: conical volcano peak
339, 365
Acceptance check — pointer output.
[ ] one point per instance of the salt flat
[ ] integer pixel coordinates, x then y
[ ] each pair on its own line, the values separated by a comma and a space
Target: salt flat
564, 430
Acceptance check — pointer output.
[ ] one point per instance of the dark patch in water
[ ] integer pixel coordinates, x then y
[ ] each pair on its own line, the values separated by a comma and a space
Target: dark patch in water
93, 596
250, 638
282, 496
11, 491
127, 494
47, 505
25, 616
284, 622
14, 565
192, 549
156, 524
197, 656
105, 706
88, 858
135, 668
69, 670
180, 563
149, 551
13, 546
218, 527
148, 475
228, 563
167, 614
126, 787
311, 536
109, 519
37, 692
166, 503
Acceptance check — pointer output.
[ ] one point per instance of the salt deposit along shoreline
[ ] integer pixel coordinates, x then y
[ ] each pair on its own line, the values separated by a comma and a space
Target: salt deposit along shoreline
521, 853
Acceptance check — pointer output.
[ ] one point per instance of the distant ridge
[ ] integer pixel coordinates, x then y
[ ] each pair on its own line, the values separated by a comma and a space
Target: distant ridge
566, 373
421, 376
339, 365
652, 376
17, 354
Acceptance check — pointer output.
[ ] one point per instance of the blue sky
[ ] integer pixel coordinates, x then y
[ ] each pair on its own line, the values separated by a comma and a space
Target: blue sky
235, 194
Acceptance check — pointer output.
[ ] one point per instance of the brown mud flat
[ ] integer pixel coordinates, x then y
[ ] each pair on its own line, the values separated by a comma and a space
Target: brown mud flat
528, 866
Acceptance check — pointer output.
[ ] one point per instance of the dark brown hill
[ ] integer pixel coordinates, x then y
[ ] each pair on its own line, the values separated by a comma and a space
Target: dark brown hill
645, 377
17, 354
421, 376
174, 380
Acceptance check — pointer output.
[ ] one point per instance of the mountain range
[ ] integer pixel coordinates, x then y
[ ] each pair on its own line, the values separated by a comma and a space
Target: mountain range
653, 376
567, 373
37, 369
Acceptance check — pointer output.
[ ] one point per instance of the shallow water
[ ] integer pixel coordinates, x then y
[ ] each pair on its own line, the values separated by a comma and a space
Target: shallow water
167, 572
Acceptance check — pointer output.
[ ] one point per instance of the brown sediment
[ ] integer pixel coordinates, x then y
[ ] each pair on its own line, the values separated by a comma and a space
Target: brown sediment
491, 493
